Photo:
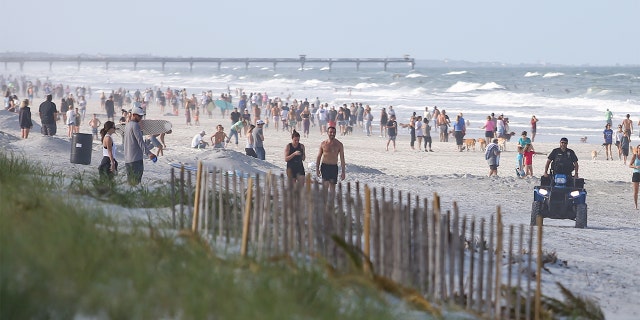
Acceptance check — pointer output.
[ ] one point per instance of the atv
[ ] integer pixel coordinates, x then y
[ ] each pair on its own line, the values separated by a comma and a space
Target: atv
560, 198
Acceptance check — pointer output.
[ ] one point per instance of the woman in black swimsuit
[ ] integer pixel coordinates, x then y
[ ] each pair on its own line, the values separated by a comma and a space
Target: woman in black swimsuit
294, 155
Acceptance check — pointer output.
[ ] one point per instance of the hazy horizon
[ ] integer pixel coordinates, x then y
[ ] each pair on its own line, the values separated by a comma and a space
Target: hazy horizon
543, 32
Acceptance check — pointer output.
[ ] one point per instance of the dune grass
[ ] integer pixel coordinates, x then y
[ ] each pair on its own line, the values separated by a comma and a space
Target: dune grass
59, 260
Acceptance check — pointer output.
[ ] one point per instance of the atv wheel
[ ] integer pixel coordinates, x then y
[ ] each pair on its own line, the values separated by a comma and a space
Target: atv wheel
536, 208
581, 215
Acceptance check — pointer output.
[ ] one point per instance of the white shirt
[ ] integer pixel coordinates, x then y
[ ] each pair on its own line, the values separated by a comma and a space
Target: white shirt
197, 139
71, 116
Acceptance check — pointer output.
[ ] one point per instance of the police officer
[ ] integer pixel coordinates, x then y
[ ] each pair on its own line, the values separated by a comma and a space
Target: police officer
564, 160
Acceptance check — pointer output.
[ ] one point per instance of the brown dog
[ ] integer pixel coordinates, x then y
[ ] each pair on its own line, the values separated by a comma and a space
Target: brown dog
594, 154
583, 139
483, 144
470, 143
502, 143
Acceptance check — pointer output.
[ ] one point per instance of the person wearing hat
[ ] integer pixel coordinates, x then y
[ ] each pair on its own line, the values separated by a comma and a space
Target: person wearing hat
198, 142
135, 149
48, 115
564, 161
258, 140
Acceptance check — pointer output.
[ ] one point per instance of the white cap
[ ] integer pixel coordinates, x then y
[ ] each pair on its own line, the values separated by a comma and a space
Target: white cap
138, 111
259, 122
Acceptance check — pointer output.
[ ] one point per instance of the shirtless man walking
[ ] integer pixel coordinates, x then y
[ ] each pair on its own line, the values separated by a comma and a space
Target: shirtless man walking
327, 160
627, 125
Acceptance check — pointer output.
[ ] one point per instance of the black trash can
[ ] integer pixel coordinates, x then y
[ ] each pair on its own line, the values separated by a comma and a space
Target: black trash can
81, 144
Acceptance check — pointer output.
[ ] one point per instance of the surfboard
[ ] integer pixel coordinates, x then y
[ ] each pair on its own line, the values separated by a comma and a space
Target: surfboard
148, 127
211, 106
223, 105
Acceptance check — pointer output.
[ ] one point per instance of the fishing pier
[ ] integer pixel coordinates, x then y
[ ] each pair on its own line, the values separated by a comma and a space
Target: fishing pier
302, 60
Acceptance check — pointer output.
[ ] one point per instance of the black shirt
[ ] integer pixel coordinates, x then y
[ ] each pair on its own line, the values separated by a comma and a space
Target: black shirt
562, 161
47, 112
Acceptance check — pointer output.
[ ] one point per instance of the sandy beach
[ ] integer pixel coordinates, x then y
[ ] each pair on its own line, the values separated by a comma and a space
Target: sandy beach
601, 260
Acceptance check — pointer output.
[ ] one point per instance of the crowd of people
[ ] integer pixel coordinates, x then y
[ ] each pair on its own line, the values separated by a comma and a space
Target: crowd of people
256, 113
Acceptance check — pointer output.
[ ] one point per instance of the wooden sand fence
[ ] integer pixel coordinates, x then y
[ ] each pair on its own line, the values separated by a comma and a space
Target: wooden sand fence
448, 258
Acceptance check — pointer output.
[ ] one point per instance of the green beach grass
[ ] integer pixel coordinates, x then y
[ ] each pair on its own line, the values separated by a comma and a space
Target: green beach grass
60, 260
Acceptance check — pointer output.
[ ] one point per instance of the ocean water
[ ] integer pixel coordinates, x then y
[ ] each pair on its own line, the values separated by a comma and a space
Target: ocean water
568, 101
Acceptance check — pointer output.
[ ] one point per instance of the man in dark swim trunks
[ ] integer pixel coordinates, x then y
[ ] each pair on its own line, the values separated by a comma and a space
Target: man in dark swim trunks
327, 160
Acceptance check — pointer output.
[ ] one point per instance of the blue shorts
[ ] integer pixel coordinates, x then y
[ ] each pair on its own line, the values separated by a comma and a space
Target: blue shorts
155, 141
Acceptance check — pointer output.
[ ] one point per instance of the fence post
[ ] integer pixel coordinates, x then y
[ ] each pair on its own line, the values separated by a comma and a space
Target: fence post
396, 235
339, 225
359, 216
461, 245
423, 248
204, 202
498, 255
518, 279
480, 291
491, 255
310, 213
220, 204
182, 196
367, 229
261, 228
226, 210
257, 211
348, 215
433, 226
472, 251
539, 271
234, 207
196, 200
510, 293
529, 266
451, 236
173, 197
245, 220
377, 246
414, 238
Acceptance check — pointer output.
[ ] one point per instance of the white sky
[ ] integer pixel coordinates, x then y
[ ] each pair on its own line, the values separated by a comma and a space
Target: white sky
573, 32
